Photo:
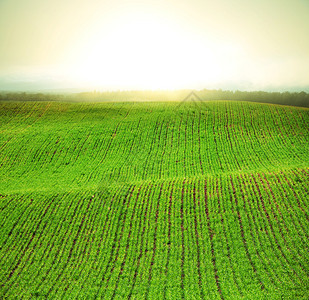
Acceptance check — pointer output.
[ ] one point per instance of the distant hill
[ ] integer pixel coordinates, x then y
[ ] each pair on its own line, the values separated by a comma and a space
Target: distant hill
284, 98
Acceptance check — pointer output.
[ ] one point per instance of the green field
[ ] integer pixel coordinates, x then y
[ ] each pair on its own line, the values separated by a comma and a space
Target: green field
158, 200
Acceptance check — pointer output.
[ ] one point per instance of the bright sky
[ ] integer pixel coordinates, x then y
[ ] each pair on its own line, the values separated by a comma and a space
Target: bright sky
155, 44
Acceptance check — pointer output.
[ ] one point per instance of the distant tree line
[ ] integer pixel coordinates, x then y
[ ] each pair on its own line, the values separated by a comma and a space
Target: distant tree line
283, 98
23, 96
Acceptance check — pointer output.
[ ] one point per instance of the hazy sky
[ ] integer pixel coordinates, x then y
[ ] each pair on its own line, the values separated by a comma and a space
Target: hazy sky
168, 44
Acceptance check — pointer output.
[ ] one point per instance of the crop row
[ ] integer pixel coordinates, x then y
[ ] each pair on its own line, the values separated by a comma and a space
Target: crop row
227, 236
83, 144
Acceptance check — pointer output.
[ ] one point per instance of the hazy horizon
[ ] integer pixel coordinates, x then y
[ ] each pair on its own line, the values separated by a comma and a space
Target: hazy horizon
149, 45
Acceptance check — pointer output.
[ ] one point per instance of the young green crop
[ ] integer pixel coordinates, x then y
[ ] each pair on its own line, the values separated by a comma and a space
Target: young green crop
154, 200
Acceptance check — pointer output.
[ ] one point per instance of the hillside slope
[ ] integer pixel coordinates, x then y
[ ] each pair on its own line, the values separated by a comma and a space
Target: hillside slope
154, 200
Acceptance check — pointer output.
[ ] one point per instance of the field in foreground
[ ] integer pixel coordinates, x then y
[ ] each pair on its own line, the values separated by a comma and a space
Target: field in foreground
157, 200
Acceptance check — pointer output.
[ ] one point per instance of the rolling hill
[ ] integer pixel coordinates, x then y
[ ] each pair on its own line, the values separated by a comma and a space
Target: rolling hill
157, 200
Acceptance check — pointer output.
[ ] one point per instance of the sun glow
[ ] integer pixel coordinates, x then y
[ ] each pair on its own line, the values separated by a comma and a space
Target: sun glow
144, 51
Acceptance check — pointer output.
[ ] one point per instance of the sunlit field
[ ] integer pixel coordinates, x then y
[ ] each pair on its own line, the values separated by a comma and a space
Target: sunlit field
156, 200
154, 149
